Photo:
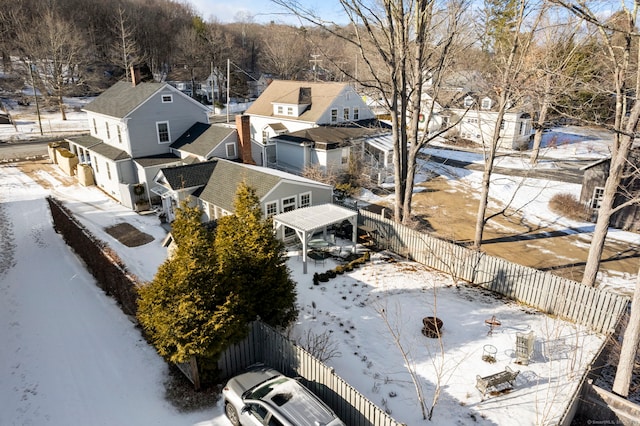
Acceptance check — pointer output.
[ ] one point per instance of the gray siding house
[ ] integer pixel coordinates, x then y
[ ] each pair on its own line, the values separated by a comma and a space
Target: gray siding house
136, 129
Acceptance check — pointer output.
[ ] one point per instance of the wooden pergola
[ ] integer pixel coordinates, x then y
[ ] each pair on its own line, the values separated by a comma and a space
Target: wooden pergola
309, 220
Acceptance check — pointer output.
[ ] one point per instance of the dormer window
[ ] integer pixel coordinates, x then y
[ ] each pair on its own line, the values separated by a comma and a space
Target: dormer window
280, 110
486, 103
289, 110
334, 115
468, 102
166, 99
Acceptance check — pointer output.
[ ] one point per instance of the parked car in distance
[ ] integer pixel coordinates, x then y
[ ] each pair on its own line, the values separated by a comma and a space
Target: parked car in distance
263, 396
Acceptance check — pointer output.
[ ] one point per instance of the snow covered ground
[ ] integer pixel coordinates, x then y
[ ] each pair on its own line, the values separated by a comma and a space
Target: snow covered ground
70, 356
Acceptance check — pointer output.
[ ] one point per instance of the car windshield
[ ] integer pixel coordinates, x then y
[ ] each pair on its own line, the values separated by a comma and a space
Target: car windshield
262, 390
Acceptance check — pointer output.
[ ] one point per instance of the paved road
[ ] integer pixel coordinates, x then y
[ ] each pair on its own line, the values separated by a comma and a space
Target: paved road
570, 172
27, 150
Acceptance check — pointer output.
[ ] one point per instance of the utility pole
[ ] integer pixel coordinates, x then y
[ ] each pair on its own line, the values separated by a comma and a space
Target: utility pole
315, 61
35, 95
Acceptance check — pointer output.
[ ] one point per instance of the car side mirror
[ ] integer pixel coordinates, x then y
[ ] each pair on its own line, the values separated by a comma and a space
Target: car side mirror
245, 409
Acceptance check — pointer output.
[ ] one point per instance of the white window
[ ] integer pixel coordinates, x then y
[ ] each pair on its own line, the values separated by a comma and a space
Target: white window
345, 114
96, 164
231, 150
345, 155
486, 103
288, 204
305, 199
167, 99
334, 115
502, 125
163, 132
468, 101
598, 195
119, 134
280, 109
95, 127
265, 135
523, 128
271, 208
106, 126
108, 170
472, 120
289, 110
356, 114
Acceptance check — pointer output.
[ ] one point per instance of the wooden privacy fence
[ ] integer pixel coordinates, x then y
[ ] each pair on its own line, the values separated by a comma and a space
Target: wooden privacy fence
266, 345
570, 300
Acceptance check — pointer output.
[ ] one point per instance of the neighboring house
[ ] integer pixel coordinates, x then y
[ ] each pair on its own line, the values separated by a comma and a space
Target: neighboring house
210, 89
133, 127
328, 147
213, 186
291, 106
476, 115
257, 87
593, 181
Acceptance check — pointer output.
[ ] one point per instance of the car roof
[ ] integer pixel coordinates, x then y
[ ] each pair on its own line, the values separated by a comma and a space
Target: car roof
296, 403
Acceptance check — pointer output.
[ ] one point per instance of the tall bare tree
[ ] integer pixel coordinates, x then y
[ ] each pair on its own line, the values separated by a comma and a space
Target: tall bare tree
54, 51
508, 45
402, 44
619, 37
630, 343
126, 51
285, 51
555, 64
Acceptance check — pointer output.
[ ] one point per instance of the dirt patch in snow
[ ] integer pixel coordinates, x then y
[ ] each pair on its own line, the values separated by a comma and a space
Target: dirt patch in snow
128, 235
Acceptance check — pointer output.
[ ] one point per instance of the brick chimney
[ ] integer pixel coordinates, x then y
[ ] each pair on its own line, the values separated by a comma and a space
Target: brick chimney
135, 76
244, 138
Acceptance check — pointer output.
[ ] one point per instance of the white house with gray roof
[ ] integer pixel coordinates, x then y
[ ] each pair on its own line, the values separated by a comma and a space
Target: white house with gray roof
292, 106
213, 186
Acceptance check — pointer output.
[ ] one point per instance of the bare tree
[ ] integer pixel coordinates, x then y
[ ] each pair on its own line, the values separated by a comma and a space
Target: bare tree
509, 46
618, 38
54, 50
402, 44
284, 51
629, 348
554, 64
126, 51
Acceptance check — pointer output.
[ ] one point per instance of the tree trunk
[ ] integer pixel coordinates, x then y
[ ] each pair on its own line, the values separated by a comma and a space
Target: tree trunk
629, 346
537, 137
616, 171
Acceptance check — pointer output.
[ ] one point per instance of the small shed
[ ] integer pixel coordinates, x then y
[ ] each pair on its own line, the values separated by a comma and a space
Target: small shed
594, 178
309, 220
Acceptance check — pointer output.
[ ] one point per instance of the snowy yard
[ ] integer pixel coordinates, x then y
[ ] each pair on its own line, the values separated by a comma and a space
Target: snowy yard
71, 354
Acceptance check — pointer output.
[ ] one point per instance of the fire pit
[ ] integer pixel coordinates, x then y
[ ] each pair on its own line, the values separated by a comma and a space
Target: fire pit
431, 327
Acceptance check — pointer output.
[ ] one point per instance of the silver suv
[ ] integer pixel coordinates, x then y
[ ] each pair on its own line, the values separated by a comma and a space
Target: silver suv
263, 396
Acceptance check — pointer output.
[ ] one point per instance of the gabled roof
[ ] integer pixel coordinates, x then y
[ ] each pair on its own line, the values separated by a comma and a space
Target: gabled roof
329, 134
188, 176
318, 95
122, 98
202, 138
227, 175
